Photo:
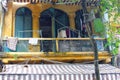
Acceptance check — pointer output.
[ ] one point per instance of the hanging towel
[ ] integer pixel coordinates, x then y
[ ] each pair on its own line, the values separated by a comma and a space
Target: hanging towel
33, 41
11, 43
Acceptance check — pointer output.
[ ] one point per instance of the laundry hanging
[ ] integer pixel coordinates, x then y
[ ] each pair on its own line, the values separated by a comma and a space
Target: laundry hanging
11, 43
33, 41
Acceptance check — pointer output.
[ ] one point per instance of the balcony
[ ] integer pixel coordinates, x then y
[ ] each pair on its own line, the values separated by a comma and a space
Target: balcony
58, 49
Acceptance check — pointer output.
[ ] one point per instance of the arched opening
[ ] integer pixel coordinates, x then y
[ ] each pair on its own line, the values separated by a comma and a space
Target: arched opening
79, 21
51, 20
23, 23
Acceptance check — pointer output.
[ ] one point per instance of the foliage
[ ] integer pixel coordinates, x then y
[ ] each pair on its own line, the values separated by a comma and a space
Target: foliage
112, 40
112, 9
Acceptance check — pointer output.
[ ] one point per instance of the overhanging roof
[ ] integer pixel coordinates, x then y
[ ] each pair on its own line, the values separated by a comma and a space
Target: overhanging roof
58, 72
70, 2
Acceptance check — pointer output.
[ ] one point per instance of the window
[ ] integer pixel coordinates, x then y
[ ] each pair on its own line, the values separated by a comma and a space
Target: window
23, 23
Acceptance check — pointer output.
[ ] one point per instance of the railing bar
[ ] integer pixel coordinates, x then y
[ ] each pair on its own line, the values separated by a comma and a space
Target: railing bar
59, 39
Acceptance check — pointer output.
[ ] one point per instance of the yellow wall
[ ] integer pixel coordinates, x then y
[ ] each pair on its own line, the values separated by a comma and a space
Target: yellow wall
7, 29
9, 25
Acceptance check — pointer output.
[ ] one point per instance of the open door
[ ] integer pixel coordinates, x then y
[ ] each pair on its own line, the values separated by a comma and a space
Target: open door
50, 21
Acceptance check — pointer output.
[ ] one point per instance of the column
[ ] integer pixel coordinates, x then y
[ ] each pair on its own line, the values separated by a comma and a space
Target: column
72, 20
53, 29
35, 26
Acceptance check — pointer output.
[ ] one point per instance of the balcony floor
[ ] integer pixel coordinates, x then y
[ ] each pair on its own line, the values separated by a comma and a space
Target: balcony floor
52, 57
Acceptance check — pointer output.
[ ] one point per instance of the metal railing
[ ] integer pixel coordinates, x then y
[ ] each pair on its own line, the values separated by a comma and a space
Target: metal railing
57, 45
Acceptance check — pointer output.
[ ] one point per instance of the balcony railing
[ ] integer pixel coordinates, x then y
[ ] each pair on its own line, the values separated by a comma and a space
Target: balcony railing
56, 45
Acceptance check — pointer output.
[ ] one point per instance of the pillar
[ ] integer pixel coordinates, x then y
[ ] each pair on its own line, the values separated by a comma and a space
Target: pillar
72, 20
35, 26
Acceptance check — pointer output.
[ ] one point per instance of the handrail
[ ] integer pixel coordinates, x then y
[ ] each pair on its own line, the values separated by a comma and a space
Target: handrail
60, 38
60, 44
40, 32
